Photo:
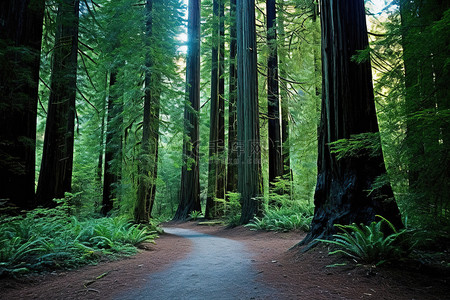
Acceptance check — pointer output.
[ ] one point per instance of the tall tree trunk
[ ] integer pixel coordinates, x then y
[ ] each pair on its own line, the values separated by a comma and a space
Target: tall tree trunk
273, 98
20, 49
190, 183
113, 148
249, 177
221, 166
102, 133
348, 108
147, 157
210, 210
55, 177
284, 99
232, 171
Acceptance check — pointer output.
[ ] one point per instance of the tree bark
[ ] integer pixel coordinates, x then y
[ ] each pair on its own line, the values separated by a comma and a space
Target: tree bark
284, 100
232, 171
348, 108
273, 98
113, 148
20, 48
55, 177
221, 166
210, 210
249, 174
149, 152
190, 183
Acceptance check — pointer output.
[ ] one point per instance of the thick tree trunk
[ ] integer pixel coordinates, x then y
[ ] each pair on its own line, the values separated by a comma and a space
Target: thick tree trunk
113, 148
249, 177
273, 98
55, 177
210, 210
232, 163
190, 183
20, 49
342, 193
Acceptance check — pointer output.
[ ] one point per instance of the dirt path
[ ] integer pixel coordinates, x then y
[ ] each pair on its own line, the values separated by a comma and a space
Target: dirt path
264, 262
216, 268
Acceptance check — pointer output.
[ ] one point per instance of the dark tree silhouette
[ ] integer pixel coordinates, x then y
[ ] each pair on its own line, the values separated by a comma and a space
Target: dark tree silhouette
55, 177
273, 98
232, 171
150, 134
345, 192
113, 147
20, 48
249, 169
210, 210
190, 184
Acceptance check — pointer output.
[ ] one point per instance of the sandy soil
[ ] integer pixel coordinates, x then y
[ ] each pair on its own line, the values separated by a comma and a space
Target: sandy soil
293, 275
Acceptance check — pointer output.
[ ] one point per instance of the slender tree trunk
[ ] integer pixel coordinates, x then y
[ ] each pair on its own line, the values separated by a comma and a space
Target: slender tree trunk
210, 211
221, 166
148, 158
190, 183
113, 148
20, 48
55, 177
273, 98
284, 99
102, 133
348, 108
249, 177
232, 171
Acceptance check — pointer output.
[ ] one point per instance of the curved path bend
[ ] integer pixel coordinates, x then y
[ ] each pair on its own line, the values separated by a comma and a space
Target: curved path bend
216, 268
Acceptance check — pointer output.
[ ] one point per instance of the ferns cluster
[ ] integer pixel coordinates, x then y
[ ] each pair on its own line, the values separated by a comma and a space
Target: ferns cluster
50, 239
369, 244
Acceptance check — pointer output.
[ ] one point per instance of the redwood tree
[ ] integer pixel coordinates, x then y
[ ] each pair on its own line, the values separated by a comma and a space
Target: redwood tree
190, 183
214, 116
273, 98
20, 48
232, 118
55, 177
345, 191
113, 147
149, 145
248, 142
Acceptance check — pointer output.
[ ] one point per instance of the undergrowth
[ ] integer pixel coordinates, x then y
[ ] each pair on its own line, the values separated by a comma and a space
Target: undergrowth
368, 244
46, 239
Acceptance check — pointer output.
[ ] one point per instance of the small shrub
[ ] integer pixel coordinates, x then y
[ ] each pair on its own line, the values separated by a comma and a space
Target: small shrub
51, 238
281, 219
195, 215
368, 244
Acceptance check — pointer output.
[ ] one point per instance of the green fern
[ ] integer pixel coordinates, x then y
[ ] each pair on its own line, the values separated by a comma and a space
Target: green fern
368, 244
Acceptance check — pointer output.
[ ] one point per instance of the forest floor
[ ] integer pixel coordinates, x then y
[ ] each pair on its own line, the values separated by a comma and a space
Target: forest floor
277, 273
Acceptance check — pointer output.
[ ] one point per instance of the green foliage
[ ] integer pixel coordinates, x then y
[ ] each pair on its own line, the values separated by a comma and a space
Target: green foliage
51, 238
369, 244
195, 215
281, 219
363, 144
231, 209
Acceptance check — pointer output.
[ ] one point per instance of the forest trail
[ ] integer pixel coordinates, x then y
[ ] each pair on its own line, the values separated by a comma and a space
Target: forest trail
216, 267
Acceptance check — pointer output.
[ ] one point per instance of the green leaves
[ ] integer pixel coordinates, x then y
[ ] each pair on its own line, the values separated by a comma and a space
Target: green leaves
47, 239
369, 244
281, 219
